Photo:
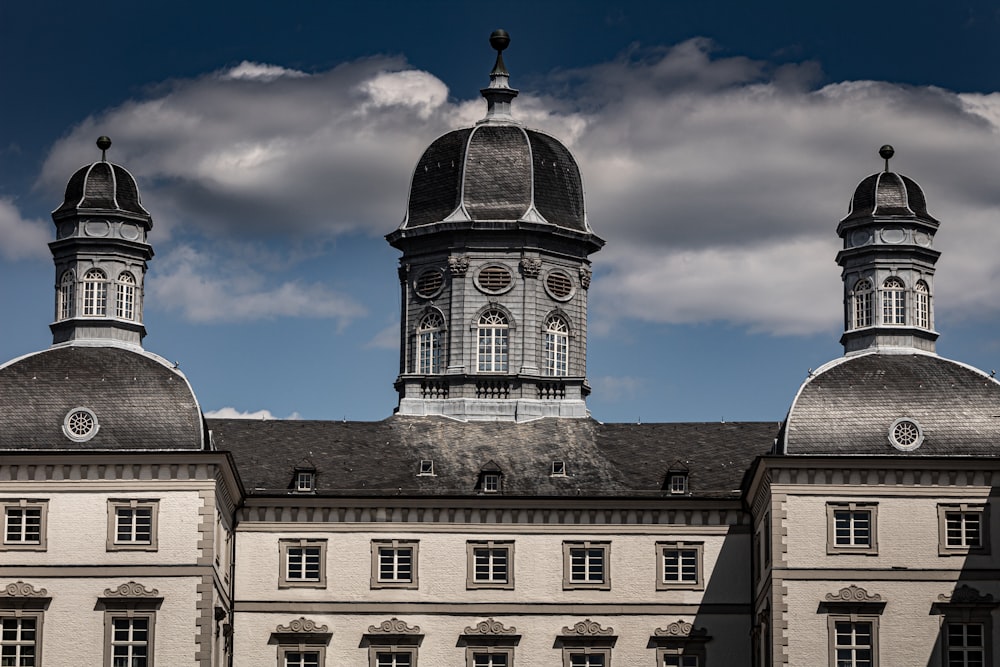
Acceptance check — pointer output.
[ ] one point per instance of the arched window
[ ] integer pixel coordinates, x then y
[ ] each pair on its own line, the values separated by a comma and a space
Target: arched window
429, 343
125, 297
95, 294
493, 338
862, 303
556, 346
66, 297
922, 307
893, 301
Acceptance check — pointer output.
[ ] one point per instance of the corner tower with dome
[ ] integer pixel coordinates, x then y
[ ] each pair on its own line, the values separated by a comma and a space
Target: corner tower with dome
495, 272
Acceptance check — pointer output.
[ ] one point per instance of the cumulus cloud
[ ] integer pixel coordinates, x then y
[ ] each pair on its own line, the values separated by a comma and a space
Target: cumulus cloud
717, 181
386, 339
20, 237
232, 413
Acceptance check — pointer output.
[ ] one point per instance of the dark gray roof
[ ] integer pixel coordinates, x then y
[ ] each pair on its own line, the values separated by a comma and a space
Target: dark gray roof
140, 402
889, 195
102, 186
848, 407
497, 172
376, 458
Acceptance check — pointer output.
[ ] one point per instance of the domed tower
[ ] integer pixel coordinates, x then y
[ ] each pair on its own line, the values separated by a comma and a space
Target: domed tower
100, 253
495, 272
888, 265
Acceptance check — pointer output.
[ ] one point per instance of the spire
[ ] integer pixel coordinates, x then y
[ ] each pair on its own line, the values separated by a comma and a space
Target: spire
888, 265
499, 93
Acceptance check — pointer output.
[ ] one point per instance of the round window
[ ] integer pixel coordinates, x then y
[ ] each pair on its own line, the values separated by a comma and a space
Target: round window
429, 283
905, 434
80, 425
494, 279
559, 285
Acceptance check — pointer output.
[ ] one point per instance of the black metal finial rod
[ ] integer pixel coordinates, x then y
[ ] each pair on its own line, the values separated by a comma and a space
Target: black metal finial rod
499, 40
104, 143
886, 153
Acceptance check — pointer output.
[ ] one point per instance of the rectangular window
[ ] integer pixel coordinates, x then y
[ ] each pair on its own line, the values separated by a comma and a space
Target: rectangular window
490, 657
303, 563
965, 645
853, 642
24, 524
394, 564
19, 640
850, 528
962, 529
131, 641
680, 565
304, 481
677, 660
132, 525
586, 657
299, 658
586, 565
678, 483
490, 564
491, 483
395, 658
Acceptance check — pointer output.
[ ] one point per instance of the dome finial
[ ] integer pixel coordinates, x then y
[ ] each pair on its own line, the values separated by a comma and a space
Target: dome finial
886, 153
499, 93
104, 143
499, 40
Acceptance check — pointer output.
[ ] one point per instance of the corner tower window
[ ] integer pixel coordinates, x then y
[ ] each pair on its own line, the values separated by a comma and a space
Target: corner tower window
556, 346
493, 342
66, 296
95, 294
922, 307
893, 302
429, 343
125, 301
862, 306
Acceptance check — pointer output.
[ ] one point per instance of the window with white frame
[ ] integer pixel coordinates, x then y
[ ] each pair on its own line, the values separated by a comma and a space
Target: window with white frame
305, 481
586, 565
429, 343
394, 564
132, 525
680, 660
678, 484
125, 296
303, 563
962, 529
24, 524
851, 528
922, 305
301, 643
491, 482
893, 301
491, 657
396, 658
66, 301
862, 303
853, 642
587, 657
95, 293
20, 638
298, 658
493, 338
556, 346
965, 645
680, 565
131, 640
490, 564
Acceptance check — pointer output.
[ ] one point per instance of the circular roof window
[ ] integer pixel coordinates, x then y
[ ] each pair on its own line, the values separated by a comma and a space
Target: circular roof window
429, 283
494, 279
559, 285
80, 425
905, 434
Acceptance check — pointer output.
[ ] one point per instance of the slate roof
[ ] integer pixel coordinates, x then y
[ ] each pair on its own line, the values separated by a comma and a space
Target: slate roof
497, 172
888, 194
141, 402
848, 406
102, 186
379, 458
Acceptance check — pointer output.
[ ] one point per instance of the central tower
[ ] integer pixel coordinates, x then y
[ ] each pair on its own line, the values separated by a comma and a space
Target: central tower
495, 272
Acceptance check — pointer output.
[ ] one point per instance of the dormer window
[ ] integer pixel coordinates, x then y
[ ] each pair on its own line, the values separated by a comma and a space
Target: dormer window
558, 469
305, 481
491, 482
426, 468
678, 483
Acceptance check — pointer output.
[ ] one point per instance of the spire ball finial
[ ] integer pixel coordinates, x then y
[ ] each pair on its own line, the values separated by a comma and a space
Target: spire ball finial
499, 40
886, 152
104, 143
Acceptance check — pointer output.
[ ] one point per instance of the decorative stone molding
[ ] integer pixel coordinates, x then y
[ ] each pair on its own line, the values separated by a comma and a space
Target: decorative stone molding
965, 594
131, 590
458, 265
490, 627
585, 275
403, 270
680, 629
531, 267
853, 593
588, 628
393, 626
20, 589
301, 625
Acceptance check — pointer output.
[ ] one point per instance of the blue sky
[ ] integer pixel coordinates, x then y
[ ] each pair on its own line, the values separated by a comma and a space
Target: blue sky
719, 141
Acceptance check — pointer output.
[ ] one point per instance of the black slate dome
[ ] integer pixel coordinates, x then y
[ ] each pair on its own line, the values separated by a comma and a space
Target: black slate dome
497, 172
102, 186
889, 195
136, 401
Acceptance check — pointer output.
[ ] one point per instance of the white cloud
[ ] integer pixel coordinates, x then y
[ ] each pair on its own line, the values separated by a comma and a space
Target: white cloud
21, 238
386, 339
206, 289
232, 413
615, 389
717, 181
